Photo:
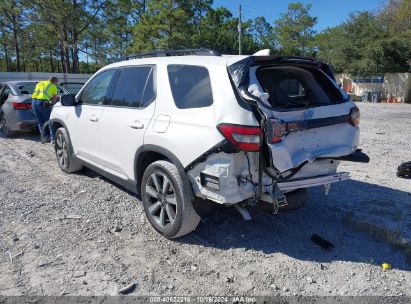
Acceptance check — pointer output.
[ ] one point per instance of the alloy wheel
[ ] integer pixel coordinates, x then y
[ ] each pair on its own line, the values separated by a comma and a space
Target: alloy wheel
61, 150
161, 199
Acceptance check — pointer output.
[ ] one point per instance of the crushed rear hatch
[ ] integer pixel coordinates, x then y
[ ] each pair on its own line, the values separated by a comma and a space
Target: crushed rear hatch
304, 114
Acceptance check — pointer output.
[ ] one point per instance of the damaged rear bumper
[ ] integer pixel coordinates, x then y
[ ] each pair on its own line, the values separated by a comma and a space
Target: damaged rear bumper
227, 178
357, 157
312, 182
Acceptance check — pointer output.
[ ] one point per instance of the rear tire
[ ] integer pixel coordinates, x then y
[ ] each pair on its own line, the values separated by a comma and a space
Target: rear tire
5, 128
166, 200
68, 163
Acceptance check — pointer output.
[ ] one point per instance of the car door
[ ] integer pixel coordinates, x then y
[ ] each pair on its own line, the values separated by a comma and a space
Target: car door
85, 117
125, 120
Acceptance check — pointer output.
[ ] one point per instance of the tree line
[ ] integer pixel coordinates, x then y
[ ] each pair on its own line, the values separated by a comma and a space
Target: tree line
80, 36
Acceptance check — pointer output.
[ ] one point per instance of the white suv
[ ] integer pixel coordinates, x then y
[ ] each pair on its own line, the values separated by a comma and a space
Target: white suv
236, 130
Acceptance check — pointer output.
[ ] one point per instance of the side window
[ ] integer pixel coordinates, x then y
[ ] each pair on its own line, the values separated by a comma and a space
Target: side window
134, 87
190, 86
97, 90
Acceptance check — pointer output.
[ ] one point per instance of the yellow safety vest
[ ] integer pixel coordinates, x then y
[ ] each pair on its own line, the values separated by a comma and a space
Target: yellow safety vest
44, 90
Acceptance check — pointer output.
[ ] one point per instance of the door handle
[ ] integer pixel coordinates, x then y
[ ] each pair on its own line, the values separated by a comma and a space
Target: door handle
93, 118
137, 125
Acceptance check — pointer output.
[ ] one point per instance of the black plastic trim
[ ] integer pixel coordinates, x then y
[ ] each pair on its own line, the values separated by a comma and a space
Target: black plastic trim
224, 146
178, 52
128, 184
357, 157
160, 150
320, 122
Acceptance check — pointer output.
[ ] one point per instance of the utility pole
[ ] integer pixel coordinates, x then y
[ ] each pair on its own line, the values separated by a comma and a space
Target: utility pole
239, 30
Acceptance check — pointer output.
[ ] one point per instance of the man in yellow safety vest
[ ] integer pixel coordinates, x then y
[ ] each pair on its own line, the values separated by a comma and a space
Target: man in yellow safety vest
43, 98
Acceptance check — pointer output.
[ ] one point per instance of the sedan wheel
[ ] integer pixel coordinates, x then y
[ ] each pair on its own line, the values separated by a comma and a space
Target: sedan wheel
5, 129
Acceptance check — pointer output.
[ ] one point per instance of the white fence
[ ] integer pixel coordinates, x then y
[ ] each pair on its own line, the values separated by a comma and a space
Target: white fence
10, 76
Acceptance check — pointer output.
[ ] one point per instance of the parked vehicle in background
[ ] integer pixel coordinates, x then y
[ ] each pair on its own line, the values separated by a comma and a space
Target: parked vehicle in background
16, 114
236, 130
72, 87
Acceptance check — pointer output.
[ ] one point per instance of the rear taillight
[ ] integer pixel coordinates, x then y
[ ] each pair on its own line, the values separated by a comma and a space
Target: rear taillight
245, 138
278, 130
21, 105
355, 116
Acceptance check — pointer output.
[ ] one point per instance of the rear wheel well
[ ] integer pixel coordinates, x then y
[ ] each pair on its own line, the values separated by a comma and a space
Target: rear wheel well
146, 158
57, 125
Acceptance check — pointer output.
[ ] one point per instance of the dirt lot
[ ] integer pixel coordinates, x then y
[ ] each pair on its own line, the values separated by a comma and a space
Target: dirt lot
82, 235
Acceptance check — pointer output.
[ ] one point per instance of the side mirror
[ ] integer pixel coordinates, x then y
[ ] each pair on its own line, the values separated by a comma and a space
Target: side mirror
68, 100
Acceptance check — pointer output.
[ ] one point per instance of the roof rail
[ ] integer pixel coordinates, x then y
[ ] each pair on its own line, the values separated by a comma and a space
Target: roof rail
181, 52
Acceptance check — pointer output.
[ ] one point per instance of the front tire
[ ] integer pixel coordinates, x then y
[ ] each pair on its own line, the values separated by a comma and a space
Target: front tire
68, 163
166, 200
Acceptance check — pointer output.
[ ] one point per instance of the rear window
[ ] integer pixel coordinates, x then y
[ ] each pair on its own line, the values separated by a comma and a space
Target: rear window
297, 87
25, 88
190, 86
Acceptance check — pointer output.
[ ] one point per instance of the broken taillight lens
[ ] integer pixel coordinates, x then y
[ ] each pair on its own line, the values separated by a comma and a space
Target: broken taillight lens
355, 116
21, 106
245, 138
278, 130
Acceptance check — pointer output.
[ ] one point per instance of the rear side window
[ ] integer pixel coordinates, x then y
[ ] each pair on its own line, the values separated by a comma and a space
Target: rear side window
134, 87
97, 90
190, 86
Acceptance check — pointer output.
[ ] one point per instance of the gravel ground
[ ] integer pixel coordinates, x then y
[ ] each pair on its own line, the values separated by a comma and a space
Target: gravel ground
82, 235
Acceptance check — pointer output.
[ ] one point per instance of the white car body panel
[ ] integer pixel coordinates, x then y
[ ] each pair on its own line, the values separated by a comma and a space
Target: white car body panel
123, 130
83, 127
330, 141
195, 128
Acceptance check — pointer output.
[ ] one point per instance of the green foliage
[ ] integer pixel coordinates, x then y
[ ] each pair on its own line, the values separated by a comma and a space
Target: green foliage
294, 30
83, 35
365, 46
218, 30
167, 24
263, 33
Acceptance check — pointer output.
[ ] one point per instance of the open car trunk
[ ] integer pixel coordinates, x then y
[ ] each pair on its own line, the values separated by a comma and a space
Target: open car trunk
305, 116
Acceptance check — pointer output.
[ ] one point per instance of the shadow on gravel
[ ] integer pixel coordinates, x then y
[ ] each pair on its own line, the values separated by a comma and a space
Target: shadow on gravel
35, 136
367, 223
